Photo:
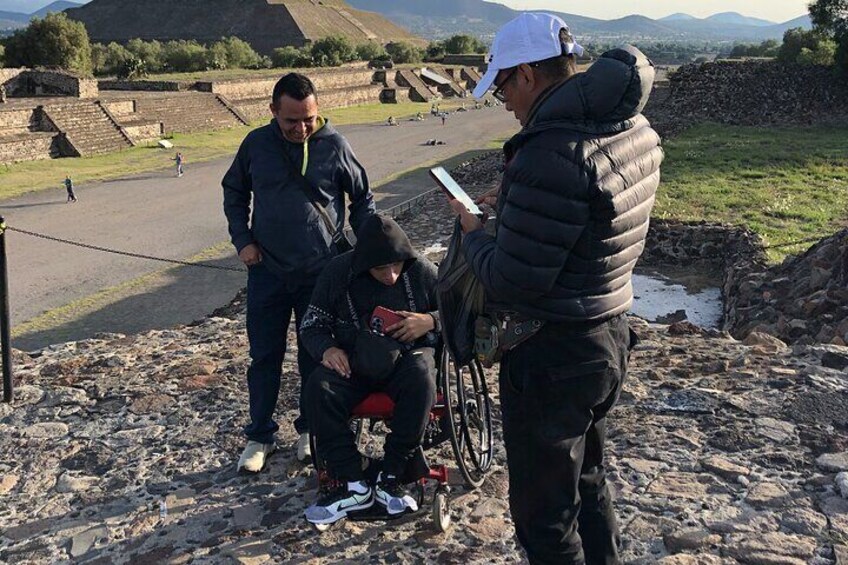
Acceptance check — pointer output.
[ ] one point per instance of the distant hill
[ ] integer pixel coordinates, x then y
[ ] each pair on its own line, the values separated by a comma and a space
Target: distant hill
58, 6
437, 19
676, 17
738, 19
16, 20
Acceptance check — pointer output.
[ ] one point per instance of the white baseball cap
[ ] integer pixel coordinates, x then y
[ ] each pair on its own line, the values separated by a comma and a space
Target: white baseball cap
528, 38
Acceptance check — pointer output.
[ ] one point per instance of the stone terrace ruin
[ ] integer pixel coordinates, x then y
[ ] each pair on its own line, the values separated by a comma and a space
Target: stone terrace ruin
49, 114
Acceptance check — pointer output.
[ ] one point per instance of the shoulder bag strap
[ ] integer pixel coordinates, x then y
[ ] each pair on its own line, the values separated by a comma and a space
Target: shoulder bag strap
311, 195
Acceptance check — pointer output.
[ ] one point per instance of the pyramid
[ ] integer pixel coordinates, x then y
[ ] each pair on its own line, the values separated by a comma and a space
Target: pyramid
265, 24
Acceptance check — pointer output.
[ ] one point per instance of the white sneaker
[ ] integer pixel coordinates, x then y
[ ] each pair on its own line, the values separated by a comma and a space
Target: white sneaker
304, 450
254, 456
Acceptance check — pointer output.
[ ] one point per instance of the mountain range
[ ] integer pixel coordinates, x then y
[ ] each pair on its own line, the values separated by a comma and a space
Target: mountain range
437, 19
14, 20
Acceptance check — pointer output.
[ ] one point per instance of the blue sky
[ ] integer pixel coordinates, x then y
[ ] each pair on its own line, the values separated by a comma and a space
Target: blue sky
774, 10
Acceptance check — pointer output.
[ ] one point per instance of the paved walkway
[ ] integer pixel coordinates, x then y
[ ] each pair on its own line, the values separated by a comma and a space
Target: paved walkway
160, 215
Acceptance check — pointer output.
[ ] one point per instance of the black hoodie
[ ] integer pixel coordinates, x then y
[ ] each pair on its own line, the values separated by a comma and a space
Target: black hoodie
328, 321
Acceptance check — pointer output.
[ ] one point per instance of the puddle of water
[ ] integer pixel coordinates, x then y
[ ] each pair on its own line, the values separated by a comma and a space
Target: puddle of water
662, 295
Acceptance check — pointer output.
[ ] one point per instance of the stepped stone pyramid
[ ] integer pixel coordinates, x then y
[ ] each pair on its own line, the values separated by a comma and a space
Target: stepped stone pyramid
265, 24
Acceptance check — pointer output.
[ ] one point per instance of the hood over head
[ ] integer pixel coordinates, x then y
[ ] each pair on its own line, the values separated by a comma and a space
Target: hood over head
380, 241
605, 98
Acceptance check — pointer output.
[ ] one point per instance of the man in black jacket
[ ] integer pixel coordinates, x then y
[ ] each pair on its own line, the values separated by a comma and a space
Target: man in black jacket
384, 271
284, 166
573, 213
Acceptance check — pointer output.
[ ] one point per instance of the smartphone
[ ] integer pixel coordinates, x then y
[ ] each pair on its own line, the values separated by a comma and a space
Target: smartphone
453, 191
382, 318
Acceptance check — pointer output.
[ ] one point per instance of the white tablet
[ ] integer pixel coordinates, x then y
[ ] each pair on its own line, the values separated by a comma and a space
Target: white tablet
453, 190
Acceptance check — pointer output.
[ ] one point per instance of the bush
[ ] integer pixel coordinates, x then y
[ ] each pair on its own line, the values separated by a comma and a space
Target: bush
109, 59
54, 41
462, 44
812, 44
233, 53
435, 51
148, 52
184, 56
769, 48
370, 51
291, 57
402, 52
823, 54
333, 51
132, 69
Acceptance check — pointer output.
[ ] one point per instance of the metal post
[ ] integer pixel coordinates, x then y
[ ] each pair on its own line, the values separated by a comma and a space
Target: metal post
5, 333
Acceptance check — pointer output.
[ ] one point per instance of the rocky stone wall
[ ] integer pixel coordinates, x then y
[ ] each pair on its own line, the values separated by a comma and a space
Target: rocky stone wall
803, 300
120, 108
143, 132
53, 83
751, 93
324, 81
145, 85
28, 147
17, 121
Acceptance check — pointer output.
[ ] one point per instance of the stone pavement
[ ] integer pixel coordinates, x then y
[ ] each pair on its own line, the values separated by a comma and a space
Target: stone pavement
122, 449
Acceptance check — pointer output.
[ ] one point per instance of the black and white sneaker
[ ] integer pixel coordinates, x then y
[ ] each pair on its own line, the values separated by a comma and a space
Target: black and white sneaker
334, 505
392, 494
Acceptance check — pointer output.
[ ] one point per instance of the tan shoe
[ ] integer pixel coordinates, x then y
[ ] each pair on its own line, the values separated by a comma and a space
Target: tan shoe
304, 450
253, 457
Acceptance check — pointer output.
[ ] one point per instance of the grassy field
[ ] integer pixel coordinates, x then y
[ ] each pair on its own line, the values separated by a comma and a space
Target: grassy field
786, 184
19, 178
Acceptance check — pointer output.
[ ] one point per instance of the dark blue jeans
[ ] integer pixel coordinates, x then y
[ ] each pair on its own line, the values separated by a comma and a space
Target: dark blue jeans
269, 309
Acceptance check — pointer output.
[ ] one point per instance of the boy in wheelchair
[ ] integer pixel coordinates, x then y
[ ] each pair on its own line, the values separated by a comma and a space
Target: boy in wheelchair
373, 324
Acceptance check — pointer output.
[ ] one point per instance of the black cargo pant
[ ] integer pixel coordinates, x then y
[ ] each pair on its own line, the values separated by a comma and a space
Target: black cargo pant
556, 390
331, 399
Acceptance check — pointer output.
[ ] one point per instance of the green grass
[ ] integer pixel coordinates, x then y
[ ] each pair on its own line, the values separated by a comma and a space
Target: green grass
786, 184
20, 178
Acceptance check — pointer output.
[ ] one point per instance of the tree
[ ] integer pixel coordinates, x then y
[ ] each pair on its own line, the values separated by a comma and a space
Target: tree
831, 18
402, 52
2, 55
462, 44
291, 57
184, 56
54, 41
332, 51
435, 50
796, 40
370, 51
149, 52
233, 53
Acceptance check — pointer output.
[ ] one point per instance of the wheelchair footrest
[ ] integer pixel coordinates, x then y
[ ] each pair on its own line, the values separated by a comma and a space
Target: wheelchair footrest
377, 513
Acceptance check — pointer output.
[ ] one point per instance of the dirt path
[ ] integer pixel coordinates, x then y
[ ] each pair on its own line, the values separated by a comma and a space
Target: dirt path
160, 215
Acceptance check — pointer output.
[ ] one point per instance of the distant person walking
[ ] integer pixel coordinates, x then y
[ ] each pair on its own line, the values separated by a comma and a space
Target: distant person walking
69, 186
180, 161
444, 118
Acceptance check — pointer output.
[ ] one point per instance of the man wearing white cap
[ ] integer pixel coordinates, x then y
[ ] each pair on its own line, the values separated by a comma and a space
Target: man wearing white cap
573, 212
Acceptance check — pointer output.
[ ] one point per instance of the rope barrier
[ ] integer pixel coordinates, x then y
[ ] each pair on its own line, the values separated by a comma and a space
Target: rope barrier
119, 252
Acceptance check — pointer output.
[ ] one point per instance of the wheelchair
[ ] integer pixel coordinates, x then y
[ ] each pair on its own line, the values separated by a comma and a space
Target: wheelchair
462, 415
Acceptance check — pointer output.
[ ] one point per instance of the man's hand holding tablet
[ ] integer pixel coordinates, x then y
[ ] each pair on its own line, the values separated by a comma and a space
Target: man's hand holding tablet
471, 216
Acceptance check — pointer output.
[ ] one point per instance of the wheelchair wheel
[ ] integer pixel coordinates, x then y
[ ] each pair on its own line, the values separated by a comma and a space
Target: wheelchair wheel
469, 411
441, 511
